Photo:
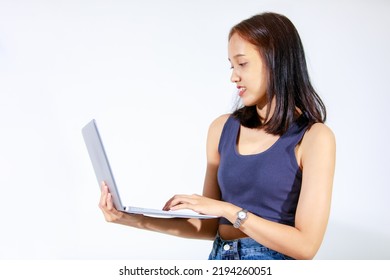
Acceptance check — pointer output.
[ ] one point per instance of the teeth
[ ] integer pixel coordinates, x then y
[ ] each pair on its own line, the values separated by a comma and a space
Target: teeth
241, 89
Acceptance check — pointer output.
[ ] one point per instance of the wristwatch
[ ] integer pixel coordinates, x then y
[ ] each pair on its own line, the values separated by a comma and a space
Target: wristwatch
242, 215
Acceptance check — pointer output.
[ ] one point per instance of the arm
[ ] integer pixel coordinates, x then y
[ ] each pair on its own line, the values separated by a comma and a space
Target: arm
316, 156
188, 228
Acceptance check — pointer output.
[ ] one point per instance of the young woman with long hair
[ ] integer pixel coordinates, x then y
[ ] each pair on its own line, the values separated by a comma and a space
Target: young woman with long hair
270, 164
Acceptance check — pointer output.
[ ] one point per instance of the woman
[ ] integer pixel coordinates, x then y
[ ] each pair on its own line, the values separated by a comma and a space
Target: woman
270, 164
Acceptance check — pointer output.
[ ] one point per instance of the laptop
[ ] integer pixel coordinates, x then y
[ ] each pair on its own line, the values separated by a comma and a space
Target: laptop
104, 173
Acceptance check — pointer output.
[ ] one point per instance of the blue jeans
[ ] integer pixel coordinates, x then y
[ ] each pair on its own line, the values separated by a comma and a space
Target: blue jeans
243, 249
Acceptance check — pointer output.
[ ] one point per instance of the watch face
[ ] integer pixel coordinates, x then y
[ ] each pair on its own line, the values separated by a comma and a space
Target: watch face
241, 215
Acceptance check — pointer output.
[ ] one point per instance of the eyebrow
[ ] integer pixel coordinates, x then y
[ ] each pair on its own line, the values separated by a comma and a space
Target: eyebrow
237, 55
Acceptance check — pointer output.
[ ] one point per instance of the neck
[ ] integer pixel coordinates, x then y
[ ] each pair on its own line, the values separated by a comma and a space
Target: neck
262, 110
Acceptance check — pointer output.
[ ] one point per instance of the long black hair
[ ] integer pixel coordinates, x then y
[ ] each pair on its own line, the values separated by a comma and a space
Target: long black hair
281, 48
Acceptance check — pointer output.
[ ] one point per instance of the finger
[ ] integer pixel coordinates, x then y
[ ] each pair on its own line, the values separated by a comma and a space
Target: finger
110, 208
104, 186
186, 206
183, 200
167, 204
110, 204
172, 201
103, 196
181, 206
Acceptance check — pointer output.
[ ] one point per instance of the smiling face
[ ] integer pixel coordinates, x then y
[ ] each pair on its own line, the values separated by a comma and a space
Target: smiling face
248, 72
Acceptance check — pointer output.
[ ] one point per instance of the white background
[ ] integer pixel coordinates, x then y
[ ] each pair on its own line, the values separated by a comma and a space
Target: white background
154, 74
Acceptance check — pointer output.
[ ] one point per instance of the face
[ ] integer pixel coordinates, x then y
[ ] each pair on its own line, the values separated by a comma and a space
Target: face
248, 72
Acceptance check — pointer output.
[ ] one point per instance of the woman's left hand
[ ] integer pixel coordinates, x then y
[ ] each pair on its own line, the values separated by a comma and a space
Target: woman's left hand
197, 203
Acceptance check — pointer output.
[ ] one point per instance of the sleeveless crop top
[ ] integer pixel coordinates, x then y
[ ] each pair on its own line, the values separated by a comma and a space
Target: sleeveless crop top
267, 184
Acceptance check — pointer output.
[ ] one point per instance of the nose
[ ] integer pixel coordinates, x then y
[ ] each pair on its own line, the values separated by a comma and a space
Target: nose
234, 78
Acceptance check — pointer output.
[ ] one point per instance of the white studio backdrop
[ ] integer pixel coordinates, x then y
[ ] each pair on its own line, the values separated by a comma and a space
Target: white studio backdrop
154, 74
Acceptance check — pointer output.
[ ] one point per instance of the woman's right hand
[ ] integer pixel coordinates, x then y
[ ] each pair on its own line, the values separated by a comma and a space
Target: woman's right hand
190, 228
107, 206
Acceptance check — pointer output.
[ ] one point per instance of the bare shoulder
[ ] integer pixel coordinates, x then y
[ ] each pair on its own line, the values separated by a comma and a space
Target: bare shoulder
214, 134
219, 122
318, 140
217, 125
319, 133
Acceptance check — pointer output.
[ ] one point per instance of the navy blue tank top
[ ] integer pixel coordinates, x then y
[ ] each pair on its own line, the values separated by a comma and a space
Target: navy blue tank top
267, 184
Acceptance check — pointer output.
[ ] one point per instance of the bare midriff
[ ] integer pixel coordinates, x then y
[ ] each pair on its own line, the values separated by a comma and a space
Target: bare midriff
228, 232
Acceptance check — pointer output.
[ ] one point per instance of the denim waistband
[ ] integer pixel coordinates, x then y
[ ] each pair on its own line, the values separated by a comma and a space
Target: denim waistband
242, 249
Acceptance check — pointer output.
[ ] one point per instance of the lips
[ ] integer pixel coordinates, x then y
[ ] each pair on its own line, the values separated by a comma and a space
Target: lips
240, 90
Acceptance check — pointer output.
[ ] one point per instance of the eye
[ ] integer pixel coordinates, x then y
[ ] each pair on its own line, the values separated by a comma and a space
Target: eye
243, 64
